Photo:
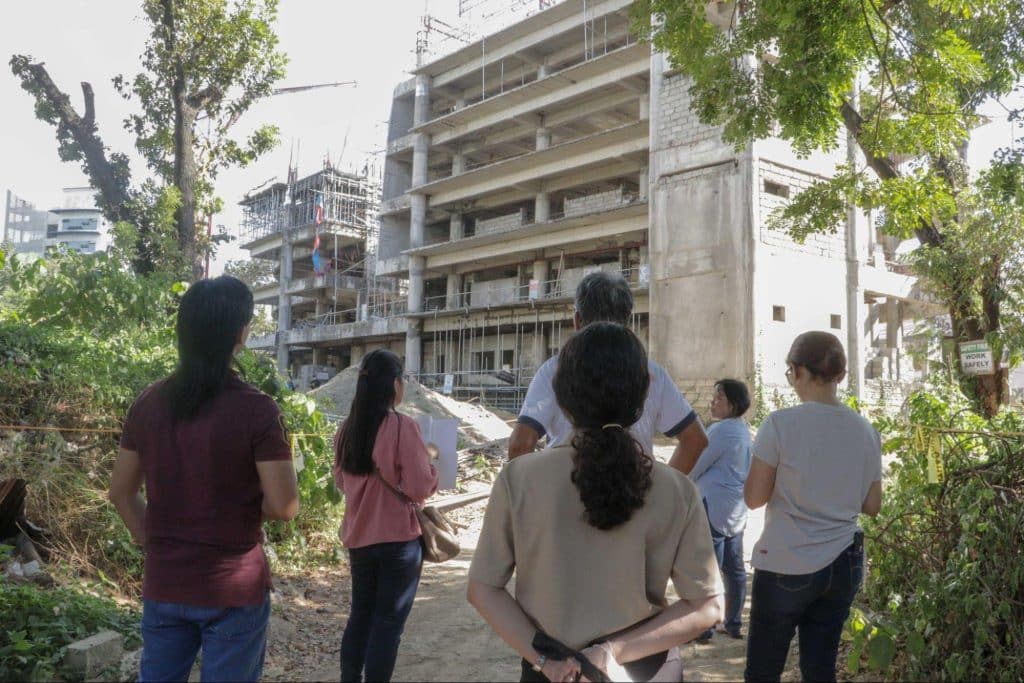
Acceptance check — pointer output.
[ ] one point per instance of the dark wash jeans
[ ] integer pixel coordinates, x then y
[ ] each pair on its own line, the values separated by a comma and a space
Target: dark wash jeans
385, 577
817, 604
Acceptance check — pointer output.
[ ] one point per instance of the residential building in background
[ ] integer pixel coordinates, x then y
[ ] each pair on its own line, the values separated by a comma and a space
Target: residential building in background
76, 224
560, 145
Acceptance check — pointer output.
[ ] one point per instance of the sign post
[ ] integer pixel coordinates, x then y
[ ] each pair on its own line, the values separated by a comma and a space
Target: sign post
976, 358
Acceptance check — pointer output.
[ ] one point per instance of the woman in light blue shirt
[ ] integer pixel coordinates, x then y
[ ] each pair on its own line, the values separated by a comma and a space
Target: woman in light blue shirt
720, 472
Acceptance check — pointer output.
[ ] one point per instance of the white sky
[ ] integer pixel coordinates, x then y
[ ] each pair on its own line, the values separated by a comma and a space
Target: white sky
326, 41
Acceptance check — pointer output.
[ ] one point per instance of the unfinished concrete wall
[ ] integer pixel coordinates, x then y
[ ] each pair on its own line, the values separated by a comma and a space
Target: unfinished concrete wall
701, 251
504, 223
593, 203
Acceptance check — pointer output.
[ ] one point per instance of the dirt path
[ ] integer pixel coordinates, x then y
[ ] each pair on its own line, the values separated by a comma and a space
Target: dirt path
445, 639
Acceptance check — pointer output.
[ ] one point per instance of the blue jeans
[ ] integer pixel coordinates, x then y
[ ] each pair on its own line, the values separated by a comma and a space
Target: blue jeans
233, 639
729, 553
817, 604
385, 577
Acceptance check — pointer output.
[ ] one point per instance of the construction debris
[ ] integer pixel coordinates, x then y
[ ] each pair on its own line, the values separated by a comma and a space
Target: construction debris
477, 425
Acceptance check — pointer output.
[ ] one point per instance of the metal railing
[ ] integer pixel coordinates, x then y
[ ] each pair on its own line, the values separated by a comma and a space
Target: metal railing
391, 309
549, 289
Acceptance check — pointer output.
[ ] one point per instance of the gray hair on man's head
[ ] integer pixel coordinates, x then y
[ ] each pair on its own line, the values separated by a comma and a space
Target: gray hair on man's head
604, 296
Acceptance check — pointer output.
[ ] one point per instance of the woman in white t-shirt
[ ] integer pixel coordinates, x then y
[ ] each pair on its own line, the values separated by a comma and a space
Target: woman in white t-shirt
817, 465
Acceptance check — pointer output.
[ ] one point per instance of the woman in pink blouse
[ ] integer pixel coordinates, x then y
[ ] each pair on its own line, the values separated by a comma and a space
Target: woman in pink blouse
380, 529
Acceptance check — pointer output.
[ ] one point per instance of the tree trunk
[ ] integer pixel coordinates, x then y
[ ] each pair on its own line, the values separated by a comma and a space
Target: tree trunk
987, 390
185, 181
184, 154
108, 175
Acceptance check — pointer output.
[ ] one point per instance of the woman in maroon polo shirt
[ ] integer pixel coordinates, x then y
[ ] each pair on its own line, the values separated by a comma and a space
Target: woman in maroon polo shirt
215, 459
380, 530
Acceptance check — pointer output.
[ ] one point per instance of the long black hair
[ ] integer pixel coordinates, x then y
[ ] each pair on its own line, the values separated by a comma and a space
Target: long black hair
211, 318
601, 384
374, 399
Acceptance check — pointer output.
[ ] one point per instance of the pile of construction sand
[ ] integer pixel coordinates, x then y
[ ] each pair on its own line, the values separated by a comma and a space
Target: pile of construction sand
476, 423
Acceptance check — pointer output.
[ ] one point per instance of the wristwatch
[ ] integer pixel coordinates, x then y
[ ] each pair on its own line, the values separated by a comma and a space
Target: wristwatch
539, 666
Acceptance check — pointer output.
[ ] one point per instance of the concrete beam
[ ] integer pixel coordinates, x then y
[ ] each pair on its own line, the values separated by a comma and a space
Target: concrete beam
507, 43
546, 236
538, 96
554, 161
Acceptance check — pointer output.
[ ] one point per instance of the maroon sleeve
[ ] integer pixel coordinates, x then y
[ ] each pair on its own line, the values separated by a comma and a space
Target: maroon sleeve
129, 432
270, 435
419, 477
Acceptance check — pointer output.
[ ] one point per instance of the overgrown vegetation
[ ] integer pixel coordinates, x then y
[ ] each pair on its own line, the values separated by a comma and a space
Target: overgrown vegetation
40, 623
945, 593
80, 337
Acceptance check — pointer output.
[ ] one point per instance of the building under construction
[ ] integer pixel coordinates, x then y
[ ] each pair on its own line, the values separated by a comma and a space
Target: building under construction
560, 145
321, 232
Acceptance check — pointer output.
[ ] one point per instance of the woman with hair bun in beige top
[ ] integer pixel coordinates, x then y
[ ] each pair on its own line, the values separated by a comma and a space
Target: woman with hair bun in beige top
817, 465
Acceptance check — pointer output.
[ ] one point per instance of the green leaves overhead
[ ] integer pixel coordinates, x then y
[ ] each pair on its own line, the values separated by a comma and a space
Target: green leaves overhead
224, 54
903, 80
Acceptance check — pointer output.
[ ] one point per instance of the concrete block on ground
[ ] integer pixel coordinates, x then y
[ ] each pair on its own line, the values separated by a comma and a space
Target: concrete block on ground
92, 655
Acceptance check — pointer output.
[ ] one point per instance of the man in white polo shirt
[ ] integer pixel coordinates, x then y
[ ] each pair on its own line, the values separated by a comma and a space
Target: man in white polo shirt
603, 296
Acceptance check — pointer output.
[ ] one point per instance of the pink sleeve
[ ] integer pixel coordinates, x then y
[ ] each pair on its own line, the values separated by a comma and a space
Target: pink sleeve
419, 478
337, 467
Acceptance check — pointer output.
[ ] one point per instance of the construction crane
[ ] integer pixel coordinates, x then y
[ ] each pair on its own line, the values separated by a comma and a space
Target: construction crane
303, 88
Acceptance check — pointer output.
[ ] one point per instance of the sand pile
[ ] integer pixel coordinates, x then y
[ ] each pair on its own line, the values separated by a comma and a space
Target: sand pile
477, 424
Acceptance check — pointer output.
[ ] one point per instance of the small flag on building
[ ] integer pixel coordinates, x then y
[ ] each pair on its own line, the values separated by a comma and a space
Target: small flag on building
318, 210
316, 253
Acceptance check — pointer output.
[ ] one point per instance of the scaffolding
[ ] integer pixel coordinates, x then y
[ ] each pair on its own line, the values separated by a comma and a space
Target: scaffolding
343, 210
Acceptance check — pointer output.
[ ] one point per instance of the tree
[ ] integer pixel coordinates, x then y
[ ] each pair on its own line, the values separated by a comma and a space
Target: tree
204, 60
253, 272
905, 79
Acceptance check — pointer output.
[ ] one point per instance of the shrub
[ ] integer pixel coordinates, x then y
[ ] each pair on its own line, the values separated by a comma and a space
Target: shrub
945, 591
40, 623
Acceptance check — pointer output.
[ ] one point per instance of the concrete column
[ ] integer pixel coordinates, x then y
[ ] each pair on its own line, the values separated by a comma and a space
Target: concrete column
645, 107
453, 290
414, 330
318, 356
458, 163
356, 354
541, 208
540, 274
644, 183
460, 103
417, 220
421, 105
857, 228
543, 138
284, 302
543, 70
456, 230
540, 347
893, 335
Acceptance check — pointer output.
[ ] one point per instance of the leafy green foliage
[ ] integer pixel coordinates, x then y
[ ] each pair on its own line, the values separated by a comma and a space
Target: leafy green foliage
313, 443
228, 50
946, 582
39, 623
904, 80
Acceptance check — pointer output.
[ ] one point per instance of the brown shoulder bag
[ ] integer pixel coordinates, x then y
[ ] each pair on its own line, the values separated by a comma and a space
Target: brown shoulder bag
439, 541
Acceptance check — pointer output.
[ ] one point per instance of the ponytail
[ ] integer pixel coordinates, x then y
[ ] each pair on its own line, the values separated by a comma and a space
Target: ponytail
601, 384
612, 474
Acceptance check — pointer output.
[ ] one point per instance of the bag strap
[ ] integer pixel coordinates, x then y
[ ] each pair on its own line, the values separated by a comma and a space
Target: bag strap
395, 490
